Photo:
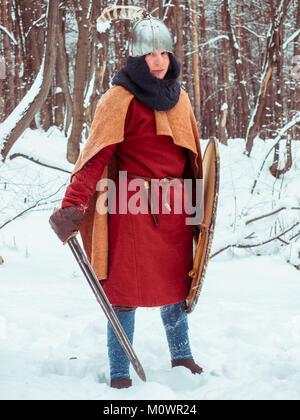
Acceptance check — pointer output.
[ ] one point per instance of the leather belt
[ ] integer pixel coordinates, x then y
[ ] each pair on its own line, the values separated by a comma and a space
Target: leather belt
147, 185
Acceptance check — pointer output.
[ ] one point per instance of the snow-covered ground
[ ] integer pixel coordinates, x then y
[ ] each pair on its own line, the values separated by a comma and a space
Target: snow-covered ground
245, 330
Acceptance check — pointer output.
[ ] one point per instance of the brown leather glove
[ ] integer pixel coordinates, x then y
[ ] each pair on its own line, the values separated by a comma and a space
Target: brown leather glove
65, 222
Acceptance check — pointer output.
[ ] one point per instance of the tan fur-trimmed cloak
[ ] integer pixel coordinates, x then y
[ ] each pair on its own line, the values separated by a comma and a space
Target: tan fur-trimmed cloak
108, 128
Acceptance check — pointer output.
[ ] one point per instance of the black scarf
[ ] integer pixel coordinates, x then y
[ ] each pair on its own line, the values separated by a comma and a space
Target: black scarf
159, 94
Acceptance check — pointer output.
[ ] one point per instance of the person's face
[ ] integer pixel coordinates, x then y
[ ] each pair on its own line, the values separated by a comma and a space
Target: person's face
158, 62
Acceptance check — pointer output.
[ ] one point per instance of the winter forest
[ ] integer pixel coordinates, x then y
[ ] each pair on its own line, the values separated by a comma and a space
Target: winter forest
241, 69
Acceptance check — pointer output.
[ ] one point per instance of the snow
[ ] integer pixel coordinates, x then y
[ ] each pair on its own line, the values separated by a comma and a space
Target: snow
245, 330
102, 26
53, 150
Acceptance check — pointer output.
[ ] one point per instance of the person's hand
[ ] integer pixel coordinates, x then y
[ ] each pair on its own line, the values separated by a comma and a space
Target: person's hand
65, 222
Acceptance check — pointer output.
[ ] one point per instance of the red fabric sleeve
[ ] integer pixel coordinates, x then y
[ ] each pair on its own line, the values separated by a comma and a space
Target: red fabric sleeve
84, 182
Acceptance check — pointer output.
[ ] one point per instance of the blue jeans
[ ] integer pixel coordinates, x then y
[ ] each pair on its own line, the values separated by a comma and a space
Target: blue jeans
175, 323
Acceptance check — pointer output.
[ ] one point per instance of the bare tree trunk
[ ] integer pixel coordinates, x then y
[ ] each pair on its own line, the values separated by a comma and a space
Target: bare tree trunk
160, 9
79, 79
209, 112
32, 24
154, 7
100, 58
177, 12
63, 76
18, 59
31, 15
2, 80
226, 80
237, 59
59, 97
195, 61
59, 90
49, 66
46, 111
274, 168
273, 47
1, 100
222, 133
9, 81
267, 127
296, 96
240, 34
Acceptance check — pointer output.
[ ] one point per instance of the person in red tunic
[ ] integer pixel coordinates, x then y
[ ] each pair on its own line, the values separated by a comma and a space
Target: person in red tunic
149, 254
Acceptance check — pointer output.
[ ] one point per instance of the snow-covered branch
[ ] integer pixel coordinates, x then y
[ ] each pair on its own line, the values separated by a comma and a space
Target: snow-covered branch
291, 38
284, 129
9, 34
249, 245
35, 23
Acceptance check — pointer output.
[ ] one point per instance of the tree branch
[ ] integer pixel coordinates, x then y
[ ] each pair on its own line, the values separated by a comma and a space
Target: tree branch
38, 203
38, 162
255, 245
270, 214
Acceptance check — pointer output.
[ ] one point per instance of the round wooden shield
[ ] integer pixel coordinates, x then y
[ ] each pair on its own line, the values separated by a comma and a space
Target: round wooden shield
211, 174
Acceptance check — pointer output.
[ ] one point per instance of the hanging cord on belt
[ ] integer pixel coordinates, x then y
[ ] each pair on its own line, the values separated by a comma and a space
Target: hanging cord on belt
148, 190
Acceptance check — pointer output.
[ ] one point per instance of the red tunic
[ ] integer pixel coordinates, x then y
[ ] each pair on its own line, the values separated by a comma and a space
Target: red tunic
148, 264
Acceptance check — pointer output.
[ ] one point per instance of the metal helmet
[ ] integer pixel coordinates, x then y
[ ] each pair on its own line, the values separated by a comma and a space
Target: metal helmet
148, 35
